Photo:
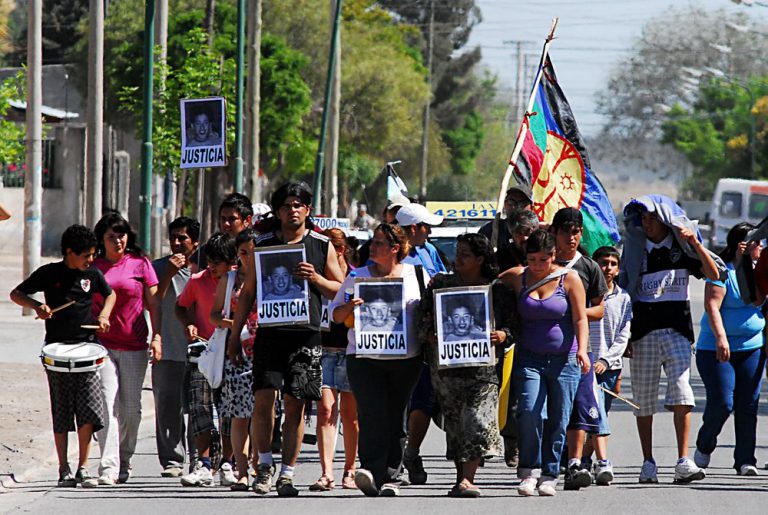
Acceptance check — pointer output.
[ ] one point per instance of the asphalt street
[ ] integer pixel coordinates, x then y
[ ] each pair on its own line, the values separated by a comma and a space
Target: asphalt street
722, 491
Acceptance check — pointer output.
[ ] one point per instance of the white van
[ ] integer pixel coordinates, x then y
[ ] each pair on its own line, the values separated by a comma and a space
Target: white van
734, 201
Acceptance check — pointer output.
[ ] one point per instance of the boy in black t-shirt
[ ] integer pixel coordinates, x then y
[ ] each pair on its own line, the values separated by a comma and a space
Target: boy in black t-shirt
661, 257
73, 395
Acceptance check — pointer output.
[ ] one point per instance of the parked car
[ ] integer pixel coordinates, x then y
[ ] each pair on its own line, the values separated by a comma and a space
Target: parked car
734, 201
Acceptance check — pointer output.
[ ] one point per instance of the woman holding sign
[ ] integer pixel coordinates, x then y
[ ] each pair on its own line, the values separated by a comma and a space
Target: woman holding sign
383, 375
468, 395
554, 335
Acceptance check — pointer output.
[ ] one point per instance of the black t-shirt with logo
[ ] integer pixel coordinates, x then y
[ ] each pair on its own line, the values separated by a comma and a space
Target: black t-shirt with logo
61, 284
662, 299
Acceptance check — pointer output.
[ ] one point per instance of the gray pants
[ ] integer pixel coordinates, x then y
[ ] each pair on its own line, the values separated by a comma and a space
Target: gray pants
171, 434
122, 377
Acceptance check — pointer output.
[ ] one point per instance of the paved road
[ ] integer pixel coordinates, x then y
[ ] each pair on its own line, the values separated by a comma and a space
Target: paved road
720, 492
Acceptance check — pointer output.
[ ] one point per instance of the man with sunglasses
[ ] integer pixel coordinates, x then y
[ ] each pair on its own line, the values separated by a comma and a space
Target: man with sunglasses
287, 358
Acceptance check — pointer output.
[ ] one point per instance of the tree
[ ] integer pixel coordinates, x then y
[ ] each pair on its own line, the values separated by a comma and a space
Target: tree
654, 71
60, 21
715, 133
12, 134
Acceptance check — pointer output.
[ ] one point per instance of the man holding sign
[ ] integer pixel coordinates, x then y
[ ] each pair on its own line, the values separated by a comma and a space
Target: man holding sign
287, 357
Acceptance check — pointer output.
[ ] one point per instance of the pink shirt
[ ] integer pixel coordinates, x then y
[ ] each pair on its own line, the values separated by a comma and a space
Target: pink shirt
200, 292
128, 278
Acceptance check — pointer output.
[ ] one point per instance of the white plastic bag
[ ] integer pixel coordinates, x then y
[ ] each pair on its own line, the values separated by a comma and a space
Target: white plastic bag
211, 361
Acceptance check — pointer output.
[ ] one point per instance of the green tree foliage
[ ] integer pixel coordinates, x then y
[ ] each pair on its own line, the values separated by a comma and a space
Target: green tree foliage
60, 21
714, 133
11, 133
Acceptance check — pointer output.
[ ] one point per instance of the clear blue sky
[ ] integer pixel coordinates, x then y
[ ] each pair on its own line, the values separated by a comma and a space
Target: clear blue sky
593, 35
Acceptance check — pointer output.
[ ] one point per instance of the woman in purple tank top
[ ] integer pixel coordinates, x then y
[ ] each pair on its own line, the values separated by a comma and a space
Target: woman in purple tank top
549, 360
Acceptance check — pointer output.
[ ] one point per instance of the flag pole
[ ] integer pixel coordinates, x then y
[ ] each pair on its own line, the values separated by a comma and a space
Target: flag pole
524, 126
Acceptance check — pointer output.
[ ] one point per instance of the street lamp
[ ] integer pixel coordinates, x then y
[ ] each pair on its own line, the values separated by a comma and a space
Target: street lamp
720, 74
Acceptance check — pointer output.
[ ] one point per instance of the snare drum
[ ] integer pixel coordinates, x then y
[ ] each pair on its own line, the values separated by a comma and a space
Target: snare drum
195, 350
73, 357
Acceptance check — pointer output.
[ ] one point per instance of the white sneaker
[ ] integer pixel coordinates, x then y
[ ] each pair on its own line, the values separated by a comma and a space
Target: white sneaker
687, 471
648, 472
389, 490
107, 480
527, 487
547, 486
748, 470
365, 483
701, 459
226, 474
603, 472
200, 476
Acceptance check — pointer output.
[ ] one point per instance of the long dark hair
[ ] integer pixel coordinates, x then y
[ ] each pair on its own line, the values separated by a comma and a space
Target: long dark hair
481, 247
115, 221
540, 240
735, 236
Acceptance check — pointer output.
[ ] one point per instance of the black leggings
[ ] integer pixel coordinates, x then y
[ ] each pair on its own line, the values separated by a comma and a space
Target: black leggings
382, 389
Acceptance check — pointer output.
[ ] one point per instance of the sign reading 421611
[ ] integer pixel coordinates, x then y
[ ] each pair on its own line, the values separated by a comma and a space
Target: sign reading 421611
203, 132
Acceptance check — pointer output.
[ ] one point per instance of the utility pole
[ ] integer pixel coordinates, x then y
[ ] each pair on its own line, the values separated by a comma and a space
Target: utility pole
239, 87
253, 102
33, 178
425, 124
145, 197
95, 123
331, 207
158, 195
517, 113
320, 157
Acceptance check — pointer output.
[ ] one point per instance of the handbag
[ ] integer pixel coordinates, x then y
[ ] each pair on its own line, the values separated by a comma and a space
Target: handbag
211, 361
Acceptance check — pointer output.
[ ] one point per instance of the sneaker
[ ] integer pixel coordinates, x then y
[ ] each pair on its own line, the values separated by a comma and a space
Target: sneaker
263, 482
285, 488
748, 470
83, 477
201, 476
226, 474
586, 464
366, 484
398, 477
547, 486
389, 490
603, 472
416, 473
124, 475
577, 477
66, 479
648, 472
511, 455
527, 487
107, 480
700, 459
172, 471
687, 471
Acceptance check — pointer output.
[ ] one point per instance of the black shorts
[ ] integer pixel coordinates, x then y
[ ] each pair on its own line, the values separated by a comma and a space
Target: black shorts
288, 361
75, 396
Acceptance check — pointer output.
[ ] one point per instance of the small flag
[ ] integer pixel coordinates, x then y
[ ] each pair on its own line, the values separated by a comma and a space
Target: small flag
554, 163
396, 188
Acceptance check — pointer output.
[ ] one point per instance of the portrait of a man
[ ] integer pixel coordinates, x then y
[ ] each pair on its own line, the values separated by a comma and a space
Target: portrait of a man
382, 308
461, 322
279, 282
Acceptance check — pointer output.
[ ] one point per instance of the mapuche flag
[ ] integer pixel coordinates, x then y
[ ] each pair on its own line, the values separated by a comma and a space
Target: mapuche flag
554, 163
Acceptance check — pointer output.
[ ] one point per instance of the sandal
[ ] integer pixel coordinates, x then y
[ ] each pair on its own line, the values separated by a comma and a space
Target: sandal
322, 485
348, 481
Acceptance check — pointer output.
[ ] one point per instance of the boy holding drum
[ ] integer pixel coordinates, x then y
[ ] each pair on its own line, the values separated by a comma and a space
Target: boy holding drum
74, 395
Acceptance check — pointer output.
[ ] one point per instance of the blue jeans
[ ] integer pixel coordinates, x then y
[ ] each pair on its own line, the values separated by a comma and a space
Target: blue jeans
545, 384
732, 387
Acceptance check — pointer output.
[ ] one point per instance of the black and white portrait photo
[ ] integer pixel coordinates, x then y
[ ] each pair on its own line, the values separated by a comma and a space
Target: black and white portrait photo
380, 320
283, 299
464, 326
203, 132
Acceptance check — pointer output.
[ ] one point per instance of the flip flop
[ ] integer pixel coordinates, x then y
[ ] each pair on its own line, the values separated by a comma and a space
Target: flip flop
323, 484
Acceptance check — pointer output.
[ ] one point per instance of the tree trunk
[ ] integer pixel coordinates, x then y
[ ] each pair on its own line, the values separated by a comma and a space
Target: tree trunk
210, 14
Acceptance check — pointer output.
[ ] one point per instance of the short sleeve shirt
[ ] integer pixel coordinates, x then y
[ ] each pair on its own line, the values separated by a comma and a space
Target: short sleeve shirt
61, 284
172, 332
200, 293
128, 277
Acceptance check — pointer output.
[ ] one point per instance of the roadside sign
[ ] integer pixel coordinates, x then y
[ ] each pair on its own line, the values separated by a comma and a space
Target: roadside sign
463, 210
331, 222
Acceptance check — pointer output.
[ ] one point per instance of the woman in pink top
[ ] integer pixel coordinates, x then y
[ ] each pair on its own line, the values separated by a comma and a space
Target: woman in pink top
130, 274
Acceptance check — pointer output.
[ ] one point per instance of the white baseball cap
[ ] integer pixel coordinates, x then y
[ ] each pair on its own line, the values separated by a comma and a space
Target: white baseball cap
412, 214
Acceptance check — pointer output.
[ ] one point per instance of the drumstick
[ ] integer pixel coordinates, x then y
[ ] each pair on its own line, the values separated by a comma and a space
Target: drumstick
87, 326
609, 392
63, 306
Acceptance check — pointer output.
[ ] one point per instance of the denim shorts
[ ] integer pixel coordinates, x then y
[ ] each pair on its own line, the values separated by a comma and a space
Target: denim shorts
334, 363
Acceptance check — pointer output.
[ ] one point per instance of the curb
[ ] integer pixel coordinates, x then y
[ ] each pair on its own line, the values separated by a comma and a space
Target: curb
14, 480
